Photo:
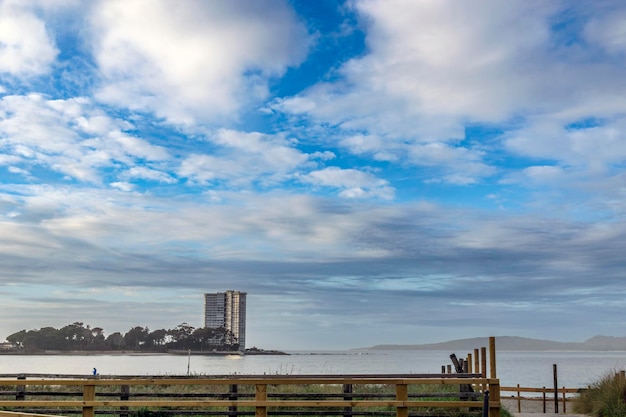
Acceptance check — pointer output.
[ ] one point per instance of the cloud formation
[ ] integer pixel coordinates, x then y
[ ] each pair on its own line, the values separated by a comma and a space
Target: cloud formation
399, 163
196, 61
26, 47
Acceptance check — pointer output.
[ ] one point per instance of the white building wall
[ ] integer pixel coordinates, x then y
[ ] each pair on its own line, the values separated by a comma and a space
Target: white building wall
228, 310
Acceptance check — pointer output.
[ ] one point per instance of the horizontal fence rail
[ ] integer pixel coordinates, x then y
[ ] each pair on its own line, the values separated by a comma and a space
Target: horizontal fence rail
260, 396
564, 395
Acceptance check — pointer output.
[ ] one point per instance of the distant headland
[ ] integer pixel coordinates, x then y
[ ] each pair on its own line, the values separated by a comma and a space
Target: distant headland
514, 343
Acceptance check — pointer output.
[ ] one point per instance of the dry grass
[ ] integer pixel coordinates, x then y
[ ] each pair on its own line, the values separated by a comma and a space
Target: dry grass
604, 398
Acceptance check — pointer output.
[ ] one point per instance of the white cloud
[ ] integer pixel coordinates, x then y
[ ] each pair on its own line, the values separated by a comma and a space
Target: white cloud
69, 136
433, 65
591, 149
124, 186
608, 30
352, 183
195, 60
368, 145
242, 158
432, 68
148, 174
543, 174
26, 48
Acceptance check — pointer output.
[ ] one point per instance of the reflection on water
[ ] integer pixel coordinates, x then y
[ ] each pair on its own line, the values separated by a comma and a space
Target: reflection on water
530, 369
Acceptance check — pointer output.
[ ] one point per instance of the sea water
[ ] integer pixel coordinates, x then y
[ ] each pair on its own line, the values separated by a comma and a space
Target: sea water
528, 369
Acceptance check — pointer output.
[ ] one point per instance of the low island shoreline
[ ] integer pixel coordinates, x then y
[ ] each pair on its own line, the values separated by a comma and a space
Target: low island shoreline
251, 351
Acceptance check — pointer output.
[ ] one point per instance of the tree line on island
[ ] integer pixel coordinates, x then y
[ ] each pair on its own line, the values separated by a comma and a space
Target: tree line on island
77, 336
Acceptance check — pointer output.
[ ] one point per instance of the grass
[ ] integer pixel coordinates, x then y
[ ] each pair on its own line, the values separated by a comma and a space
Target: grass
604, 398
312, 392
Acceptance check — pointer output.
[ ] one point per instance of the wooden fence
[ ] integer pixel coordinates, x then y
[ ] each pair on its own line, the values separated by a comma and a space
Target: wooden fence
356, 395
562, 397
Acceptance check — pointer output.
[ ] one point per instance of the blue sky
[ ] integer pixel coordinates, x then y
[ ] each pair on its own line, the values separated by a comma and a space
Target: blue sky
369, 171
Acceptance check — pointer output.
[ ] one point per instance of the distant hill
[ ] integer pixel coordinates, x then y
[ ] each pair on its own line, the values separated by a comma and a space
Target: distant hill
596, 343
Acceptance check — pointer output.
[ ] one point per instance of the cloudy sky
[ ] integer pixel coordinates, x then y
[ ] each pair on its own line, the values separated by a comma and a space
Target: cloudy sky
369, 171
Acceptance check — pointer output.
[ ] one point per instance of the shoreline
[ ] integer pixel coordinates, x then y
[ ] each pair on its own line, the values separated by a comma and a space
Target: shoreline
141, 353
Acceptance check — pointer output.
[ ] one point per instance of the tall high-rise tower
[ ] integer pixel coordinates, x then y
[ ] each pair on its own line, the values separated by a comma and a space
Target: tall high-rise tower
227, 310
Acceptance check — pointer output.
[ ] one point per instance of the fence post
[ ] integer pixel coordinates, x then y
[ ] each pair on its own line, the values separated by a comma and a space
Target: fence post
402, 394
260, 396
492, 358
232, 396
544, 400
494, 397
519, 400
20, 394
483, 362
476, 362
556, 389
124, 396
347, 396
89, 394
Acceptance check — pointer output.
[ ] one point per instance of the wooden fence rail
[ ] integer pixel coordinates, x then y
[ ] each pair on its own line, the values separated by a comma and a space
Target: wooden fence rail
257, 396
562, 395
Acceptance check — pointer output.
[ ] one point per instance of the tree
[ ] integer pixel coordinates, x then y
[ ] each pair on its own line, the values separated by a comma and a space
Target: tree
97, 338
46, 338
156, 338
115, 340
136, 337
17, 338
181, 336
76, 336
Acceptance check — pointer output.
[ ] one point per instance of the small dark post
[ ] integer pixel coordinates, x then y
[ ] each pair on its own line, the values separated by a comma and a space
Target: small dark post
347, 396
483, 361
124, 396
457, 364
232, 396
20, 394
556, 390
443, 369
544, 400
460, 367
486, 404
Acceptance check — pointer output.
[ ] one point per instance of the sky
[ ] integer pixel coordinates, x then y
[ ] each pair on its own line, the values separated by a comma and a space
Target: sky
368, 171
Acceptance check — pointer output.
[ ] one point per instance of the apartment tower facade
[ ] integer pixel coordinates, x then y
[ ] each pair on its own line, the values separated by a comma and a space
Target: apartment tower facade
228, 310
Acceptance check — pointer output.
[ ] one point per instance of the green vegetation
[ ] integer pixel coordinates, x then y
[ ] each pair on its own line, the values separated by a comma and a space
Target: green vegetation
604, 398
77, 336
312, 392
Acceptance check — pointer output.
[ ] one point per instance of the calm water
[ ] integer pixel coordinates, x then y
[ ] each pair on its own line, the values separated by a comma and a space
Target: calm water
529, 369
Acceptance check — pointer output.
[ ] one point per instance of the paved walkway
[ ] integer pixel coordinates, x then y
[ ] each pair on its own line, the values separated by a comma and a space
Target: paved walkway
534, 408
541, 414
